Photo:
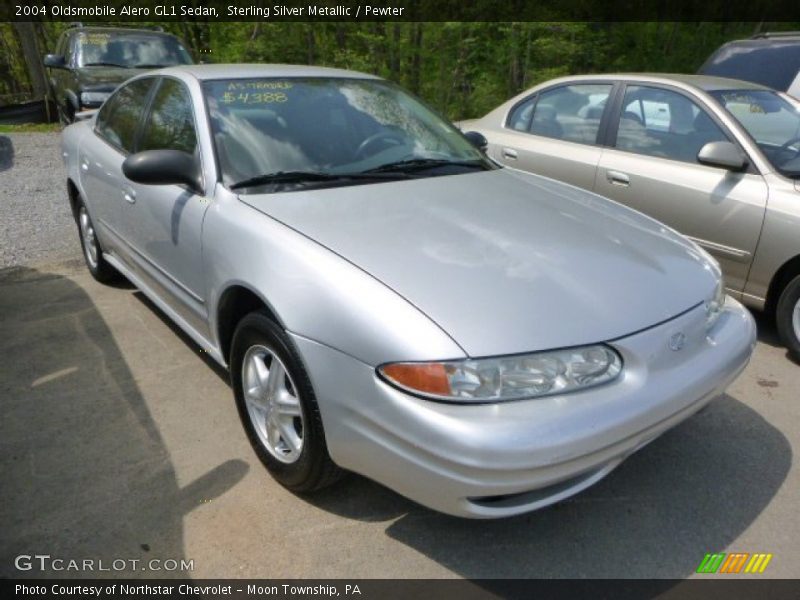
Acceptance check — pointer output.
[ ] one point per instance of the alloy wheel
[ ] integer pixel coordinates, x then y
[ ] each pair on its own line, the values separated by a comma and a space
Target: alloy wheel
88, 237
272, 404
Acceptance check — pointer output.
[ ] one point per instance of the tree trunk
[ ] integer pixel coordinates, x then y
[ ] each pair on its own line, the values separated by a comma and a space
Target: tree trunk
341, 37
311, 41
33, 60
394, 52
416, 61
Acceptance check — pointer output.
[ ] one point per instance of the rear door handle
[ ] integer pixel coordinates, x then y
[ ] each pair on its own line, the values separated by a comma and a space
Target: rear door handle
509, 154
617, 178
130, 196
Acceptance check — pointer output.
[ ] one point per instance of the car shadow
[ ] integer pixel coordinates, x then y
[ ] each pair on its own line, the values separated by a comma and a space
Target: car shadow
6, 153
218, 369
692, 491
85, 472
765, 325
768, 333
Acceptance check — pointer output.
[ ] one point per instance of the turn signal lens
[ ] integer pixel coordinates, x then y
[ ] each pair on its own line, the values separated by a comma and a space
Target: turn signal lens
428, 378
507, 377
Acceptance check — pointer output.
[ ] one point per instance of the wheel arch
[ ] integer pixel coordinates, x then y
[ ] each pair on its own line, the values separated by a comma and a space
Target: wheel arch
73, 194
235, 302
787, 271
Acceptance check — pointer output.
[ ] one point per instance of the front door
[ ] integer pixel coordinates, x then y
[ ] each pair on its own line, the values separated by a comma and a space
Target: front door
164, 222
652, 166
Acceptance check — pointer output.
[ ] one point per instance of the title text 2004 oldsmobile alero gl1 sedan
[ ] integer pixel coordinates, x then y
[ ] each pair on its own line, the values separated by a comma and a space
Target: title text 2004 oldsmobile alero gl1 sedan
389, 301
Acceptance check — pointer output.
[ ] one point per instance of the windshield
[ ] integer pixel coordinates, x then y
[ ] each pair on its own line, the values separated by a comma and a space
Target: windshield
320, 131
130, 50
772, 121
773, 62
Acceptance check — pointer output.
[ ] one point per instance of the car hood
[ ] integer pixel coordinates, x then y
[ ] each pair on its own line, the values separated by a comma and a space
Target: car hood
503, 261
105, 78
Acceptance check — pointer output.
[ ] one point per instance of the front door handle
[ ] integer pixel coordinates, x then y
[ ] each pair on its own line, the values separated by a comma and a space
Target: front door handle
130, 196
509, 154
617, 178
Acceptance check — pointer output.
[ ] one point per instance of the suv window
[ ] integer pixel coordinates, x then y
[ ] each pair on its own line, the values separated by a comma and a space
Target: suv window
170, 124
118, 119
771, 62
663, 123
129, 49
60, 45
69, 50
571, 112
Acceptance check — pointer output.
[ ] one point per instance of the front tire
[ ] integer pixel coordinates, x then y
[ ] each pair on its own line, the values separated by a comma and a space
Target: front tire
66, 113
787, 317
92, 252
277, 406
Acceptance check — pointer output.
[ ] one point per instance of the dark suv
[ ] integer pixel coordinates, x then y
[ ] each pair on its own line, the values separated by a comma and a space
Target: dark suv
771, 59
90, 62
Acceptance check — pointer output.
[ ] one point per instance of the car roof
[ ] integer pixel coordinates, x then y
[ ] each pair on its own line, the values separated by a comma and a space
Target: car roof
790, 37
706, 83
128, 30
252, 71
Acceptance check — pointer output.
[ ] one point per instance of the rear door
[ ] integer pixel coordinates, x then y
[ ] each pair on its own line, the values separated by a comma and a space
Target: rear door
651, 165
101, 156
555, 132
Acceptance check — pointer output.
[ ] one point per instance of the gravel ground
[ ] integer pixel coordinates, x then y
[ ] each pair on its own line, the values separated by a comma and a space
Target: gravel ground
35, 222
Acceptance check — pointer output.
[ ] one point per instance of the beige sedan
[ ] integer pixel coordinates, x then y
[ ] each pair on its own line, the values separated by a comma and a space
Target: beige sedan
717, 159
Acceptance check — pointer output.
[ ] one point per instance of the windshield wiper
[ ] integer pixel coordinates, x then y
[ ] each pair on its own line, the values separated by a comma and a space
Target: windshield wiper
149, 66
307, 176
106, 64
419, 164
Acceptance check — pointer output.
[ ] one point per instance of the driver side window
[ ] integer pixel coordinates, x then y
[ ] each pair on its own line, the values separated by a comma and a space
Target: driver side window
663, 123
170, 123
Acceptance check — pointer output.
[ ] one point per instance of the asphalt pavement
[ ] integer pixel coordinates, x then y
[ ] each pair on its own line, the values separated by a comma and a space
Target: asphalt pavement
119, 440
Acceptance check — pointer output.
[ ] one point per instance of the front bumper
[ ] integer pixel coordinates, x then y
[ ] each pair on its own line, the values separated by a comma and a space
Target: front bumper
93, 99
497, 460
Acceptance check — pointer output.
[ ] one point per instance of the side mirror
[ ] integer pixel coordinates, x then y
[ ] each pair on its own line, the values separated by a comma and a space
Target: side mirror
54, 61
477, 140
722, 154
163, 167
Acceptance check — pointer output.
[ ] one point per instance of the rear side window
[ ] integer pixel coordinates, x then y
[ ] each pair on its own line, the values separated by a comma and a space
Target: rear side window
774, 63
659, 122
170, 124
520, 117
571, 113
118, 119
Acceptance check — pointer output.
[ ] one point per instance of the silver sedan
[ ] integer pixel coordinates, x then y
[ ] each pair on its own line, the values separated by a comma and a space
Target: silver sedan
389, 301
717, 159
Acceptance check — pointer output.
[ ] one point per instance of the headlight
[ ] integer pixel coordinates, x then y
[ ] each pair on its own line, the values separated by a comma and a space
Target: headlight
93, 97
715, 304
507, 377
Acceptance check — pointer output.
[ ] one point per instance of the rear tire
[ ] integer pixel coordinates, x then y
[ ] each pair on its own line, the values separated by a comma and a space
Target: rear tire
787, 317
90, 245
277, 406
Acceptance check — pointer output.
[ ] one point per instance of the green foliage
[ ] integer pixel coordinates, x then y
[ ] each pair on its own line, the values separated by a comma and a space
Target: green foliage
30, 128
462, 69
